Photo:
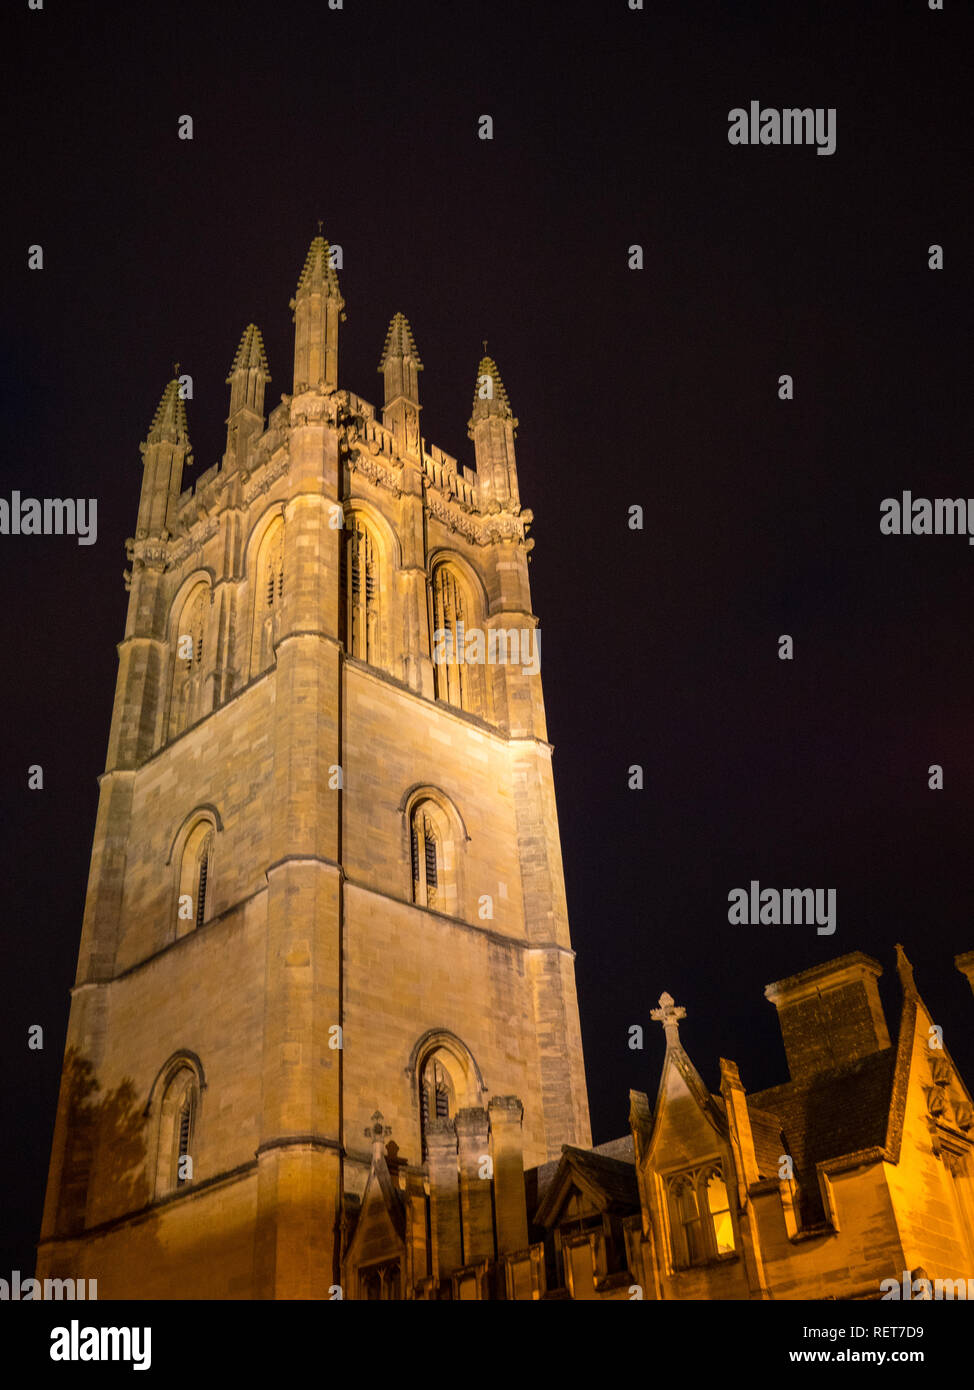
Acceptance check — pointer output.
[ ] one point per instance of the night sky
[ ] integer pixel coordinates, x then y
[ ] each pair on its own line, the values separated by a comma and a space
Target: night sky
655, 387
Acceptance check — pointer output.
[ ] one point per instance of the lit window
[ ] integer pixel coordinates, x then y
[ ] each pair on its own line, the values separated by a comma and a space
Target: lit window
701, 1224
720, 1217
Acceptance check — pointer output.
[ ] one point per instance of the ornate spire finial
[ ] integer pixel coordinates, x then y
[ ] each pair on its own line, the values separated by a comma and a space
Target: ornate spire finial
318, 270
175, 369
250, 352
169, 422
319, 226
400, 343
489, 397
669, 1016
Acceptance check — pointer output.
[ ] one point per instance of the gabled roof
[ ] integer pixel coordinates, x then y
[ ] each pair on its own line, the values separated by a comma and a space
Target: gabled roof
609, 1183
768, 1141
711, 1107
848, 1110
381, 1225
826, 1116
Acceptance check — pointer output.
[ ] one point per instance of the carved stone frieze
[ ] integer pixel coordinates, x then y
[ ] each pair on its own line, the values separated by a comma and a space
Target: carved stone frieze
370, 468
263, 481
196, 540
502, 527
308, 409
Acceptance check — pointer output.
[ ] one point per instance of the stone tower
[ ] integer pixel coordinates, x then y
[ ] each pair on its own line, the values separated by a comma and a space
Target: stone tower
326, 876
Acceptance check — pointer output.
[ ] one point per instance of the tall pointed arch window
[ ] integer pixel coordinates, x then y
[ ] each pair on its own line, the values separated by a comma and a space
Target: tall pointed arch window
186, 705
701, 1224
268, 597
718, 1211
459, 645
195, 879
178, 1117
433, 840
360, 592
449, 627
425, 859
437, 1094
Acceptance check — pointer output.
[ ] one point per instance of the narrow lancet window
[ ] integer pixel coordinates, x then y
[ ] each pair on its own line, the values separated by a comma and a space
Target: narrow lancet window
186, 705
425, 861
360, 593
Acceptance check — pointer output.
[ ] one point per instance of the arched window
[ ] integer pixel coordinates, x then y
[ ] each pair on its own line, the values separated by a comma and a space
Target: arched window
701, 1225
360, 592
426, 859
179, 1109
268, 597
449, 630
187, 682
691, 1232
194, 879
718, 1207
437, 1093
459, 646
433, 838
447, 1079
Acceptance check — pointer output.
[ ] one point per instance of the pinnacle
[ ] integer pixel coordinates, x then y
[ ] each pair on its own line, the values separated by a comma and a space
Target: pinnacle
400, 342
497, 403
169, 423
250, 353
318, 269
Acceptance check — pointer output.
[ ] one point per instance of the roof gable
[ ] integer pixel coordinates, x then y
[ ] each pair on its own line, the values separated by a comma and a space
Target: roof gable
593, 1181
688, 1120
381, 1225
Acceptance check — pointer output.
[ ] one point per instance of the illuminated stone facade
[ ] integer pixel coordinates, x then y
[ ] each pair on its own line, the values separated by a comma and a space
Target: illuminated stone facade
852, 1179
324, 1037
326, 873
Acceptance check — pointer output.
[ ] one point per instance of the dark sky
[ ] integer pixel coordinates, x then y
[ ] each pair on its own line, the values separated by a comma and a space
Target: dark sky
656, 387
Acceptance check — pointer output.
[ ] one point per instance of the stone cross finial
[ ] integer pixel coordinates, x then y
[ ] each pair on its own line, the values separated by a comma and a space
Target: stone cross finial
175, 369
377, 1131
319, 226
484, 341
669, 1017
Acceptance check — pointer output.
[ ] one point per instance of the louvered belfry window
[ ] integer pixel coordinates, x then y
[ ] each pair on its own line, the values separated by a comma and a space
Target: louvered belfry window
435, 1095
448, 617
201, 885
184, 1134
187, 684
274, 579
360, 589
268, 593
424, 860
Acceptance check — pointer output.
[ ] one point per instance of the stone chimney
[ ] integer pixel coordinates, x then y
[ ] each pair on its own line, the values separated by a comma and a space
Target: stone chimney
830, 1015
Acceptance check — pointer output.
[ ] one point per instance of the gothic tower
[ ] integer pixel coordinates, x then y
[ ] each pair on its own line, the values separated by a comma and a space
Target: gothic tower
326, 876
